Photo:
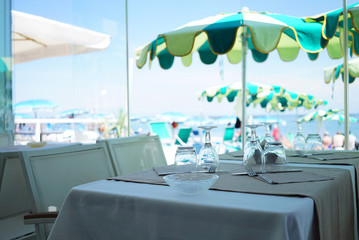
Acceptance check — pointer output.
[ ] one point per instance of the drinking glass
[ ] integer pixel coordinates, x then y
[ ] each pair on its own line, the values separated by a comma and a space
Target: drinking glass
185, 155
314, 142
208, 156
268, 137
299, 142
253, 153
274, 156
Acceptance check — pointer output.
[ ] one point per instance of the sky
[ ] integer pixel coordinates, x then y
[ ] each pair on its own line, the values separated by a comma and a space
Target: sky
97, 81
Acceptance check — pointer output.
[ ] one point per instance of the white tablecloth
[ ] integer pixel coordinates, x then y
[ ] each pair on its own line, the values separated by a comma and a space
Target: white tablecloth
121, 210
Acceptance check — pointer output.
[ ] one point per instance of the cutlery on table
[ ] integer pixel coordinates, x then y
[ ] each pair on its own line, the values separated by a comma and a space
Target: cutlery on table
270, 171
252, 173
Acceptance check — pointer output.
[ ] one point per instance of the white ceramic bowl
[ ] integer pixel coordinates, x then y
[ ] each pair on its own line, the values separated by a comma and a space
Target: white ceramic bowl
191, 183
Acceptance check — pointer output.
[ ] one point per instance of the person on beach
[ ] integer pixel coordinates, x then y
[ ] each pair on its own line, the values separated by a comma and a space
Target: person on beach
327, 141
338, 141
352, 143
275, 133
238, 127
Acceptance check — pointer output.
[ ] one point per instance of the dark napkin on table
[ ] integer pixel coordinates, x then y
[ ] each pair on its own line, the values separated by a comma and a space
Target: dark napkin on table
172, 169
295, 177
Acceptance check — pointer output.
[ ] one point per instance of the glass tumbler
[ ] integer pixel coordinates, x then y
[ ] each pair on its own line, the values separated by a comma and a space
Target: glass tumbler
314, 142
185, 155
274, 156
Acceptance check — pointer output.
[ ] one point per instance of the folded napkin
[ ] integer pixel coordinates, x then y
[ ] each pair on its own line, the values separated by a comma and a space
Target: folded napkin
173, 169
295, 177
237, 155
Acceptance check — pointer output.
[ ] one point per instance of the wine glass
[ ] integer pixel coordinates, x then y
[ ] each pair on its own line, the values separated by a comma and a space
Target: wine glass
185, 155
253, 153
208, 156
299, 142
274, 156
314, 142
268, 137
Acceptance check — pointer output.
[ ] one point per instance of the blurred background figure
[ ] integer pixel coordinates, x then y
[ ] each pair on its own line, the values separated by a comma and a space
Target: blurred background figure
352, 141
238, 128
327, 141
275, 133
338, 141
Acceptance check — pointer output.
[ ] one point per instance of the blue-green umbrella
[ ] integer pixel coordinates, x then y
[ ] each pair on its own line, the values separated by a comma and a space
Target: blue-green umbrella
34, 105
233, 34
270, 97
71, 113
331, 74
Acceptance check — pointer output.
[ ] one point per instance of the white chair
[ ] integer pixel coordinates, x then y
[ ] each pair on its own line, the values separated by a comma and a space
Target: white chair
14, 200
52, 173
6, 139
135, 153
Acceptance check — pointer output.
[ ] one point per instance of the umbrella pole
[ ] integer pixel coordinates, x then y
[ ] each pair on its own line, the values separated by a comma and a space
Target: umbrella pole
244, 88
345, 66
128, 79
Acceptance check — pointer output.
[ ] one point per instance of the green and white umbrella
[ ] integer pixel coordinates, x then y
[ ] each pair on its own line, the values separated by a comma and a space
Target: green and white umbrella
340, 118
222, 34
319, 115
341, 26
331, 74
232, 34
270, 97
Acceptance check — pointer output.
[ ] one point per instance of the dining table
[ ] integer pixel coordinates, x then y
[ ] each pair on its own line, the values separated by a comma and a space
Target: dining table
318, 202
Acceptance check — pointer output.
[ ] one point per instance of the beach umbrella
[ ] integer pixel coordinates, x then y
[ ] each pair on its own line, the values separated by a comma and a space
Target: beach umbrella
343, 22
270, 97
232, 34
35, 37
340, 118
71, 113
331, 74
22, 116
34, 105
319, 115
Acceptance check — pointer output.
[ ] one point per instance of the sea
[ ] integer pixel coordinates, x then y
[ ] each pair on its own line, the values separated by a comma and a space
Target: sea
287, 125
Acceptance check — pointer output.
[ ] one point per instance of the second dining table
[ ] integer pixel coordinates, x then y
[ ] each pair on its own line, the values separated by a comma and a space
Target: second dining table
142, 206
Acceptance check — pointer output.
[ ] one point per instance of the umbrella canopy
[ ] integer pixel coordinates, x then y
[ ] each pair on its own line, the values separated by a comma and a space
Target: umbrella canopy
22, 116
270, 97
35, 37
71, 113
221, 34
332, 27
34, 105
331, 74
320, 114
344, 23
340, 118
232, 34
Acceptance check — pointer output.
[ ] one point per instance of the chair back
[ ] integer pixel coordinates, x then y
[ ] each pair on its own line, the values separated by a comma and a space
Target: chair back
183, 134
135, 153
6, 139
228, 134
52, 173
15, 200
161, 129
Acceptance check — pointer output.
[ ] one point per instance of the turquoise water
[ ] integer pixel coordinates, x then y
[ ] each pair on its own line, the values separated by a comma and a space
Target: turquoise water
286, 125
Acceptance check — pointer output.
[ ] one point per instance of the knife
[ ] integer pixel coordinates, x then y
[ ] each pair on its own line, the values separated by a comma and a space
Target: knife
273, 171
